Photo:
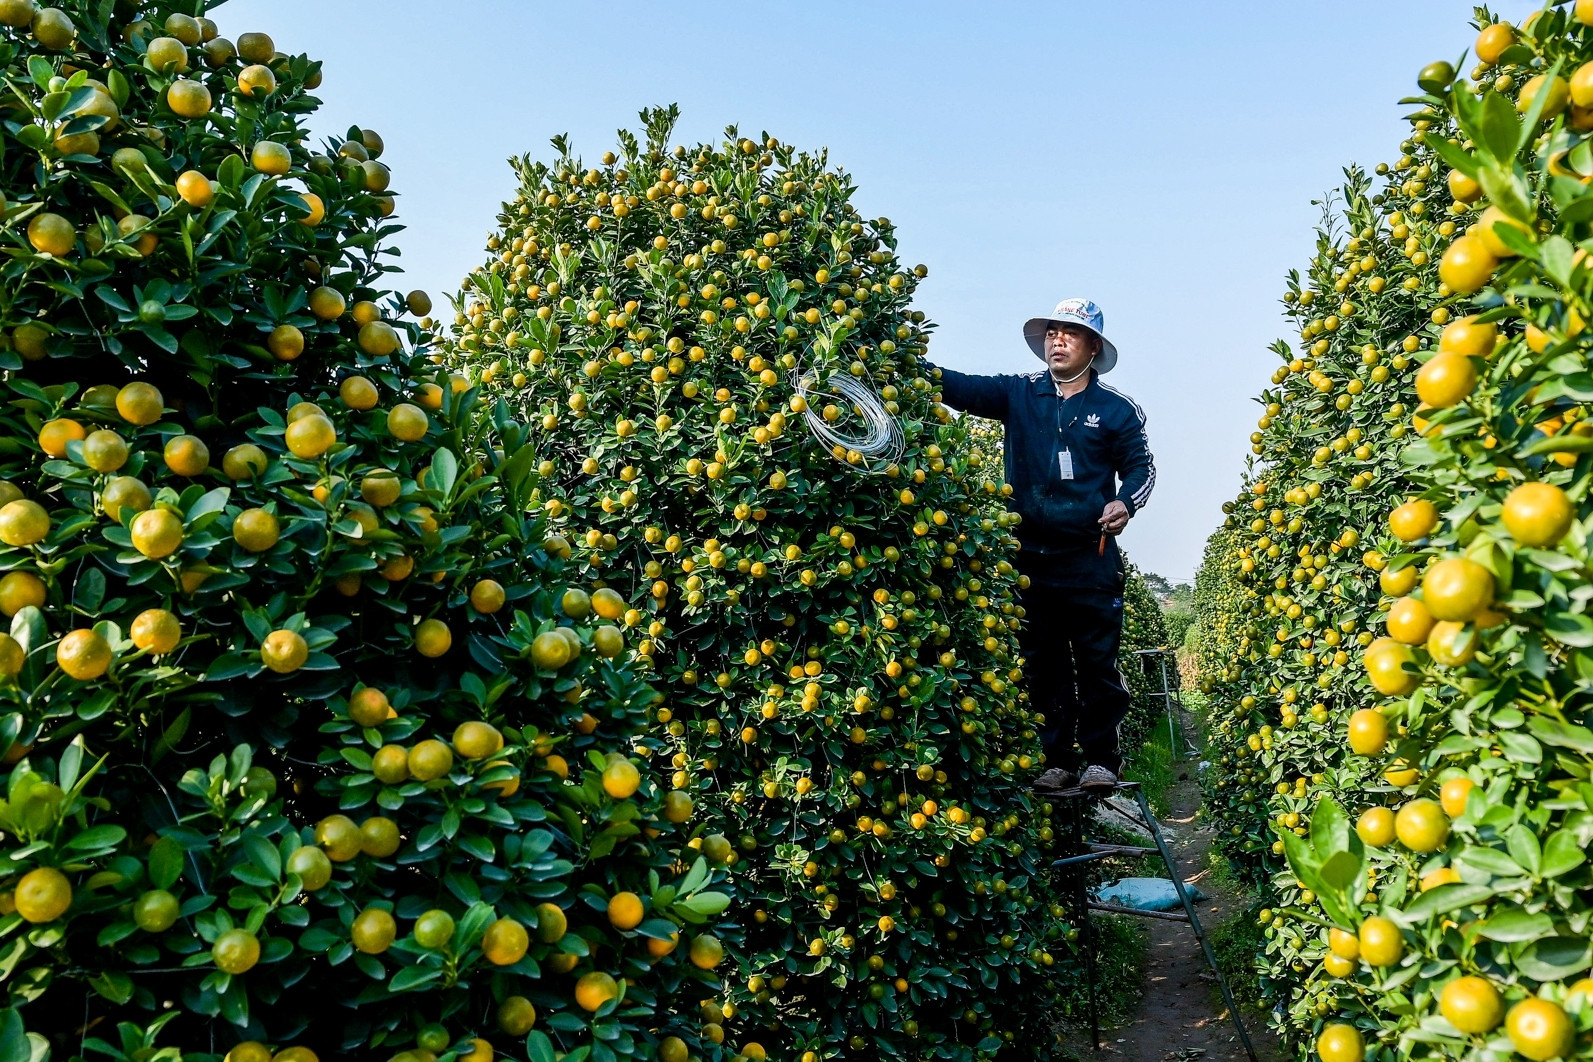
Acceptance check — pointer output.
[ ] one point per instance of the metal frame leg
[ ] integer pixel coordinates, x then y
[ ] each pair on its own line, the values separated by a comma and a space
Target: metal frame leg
1177, 741
1081, 901
1167, 702
1194, 922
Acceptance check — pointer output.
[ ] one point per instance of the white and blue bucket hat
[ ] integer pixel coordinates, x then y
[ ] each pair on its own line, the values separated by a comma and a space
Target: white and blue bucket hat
1081, 312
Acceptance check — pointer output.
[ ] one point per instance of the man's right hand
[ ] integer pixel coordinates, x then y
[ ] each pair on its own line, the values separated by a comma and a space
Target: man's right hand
1114, 517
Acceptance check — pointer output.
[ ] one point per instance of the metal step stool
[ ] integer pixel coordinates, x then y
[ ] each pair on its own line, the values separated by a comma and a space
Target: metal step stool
1076, 802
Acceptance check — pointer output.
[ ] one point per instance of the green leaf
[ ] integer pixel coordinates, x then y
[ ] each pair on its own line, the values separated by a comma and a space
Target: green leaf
1490, 861
1569, 628
106, 295
1563, 735
1330, 828
116, 81
517, 475
1556, 444
231, 665
318, 939
1524, 848
1446, 899
1561, 854
212, 501
564, 1021
657, 928
1556, 255
96, 705
472, 925
263, 854
97, 837
1513, 925
444, 472
10, 727
1300, 914
538, 1047
1555, 958
14, 1046
602, 844
1341, 869
412, 977
705, 903
230, 172
696, 877
1507, 191
1453, 154
1580, 209
87, 123
1498, 129
70, 768
165, 862
29, 629
1303, 861
114, 986
88, 592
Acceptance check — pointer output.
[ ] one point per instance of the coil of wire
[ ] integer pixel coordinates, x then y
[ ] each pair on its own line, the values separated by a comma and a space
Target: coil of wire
874, 443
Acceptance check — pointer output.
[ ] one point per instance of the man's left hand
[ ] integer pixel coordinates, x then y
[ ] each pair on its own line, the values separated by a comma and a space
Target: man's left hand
1114, 517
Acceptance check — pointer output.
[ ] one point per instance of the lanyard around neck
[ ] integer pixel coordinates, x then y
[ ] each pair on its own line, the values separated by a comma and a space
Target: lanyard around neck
1075, 376
1056, 384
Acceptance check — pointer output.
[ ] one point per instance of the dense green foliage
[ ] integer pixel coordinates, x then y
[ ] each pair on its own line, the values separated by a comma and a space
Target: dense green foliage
1144, 628
1289, 590
1484, 676
833, 625
1178, 613
1435, 896
288, 758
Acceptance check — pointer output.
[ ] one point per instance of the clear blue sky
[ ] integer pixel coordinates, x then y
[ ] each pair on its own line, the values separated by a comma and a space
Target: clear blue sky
1157, 157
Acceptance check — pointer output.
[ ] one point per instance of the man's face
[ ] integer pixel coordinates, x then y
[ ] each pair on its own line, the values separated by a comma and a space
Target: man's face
1069, 348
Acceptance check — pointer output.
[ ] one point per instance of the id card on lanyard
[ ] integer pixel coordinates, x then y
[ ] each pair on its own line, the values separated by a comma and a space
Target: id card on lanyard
1064, 456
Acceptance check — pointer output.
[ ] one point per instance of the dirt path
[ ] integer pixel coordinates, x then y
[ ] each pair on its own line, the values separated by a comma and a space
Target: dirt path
1181, 1016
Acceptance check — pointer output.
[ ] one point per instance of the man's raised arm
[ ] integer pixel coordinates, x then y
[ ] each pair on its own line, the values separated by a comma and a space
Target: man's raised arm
983, 396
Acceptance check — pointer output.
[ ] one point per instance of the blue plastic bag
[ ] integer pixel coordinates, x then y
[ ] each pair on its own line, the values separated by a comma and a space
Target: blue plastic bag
1146, 894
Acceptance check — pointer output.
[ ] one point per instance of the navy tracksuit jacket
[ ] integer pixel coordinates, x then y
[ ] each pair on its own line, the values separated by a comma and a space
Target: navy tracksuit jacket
1066, 459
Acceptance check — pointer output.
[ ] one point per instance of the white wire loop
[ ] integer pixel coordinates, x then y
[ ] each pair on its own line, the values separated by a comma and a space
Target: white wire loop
881, 443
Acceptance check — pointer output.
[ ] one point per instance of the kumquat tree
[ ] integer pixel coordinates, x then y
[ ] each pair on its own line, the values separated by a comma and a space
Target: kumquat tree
1290, 589
626, 667
314, 744
1434, 902
737, 432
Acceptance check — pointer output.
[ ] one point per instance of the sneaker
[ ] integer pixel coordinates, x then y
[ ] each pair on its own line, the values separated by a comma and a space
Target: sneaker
1056, 778
1096, 777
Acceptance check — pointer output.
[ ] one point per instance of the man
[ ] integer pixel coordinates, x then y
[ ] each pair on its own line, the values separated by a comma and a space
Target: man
1080, 467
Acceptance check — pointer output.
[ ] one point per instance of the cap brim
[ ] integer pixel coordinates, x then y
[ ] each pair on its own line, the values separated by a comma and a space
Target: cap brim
1034, 335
